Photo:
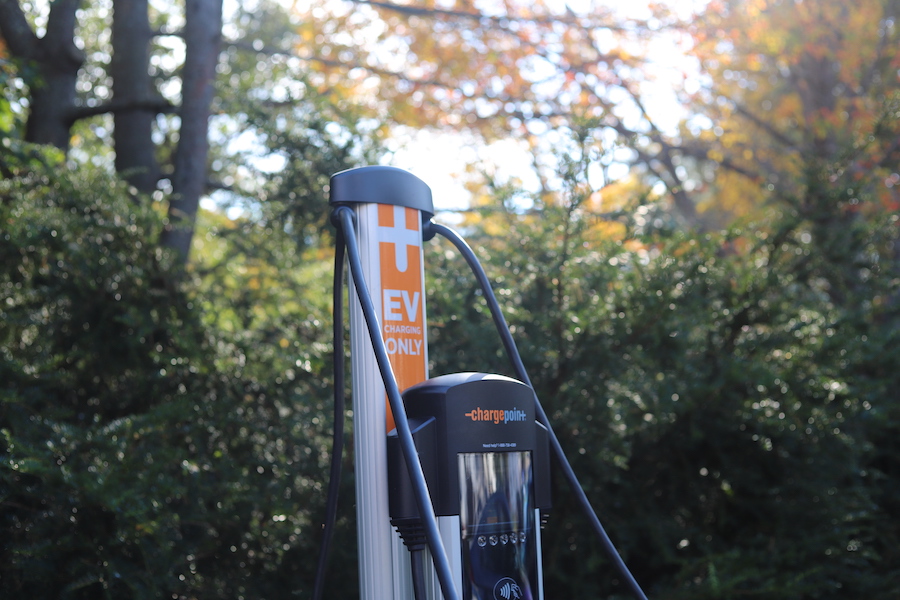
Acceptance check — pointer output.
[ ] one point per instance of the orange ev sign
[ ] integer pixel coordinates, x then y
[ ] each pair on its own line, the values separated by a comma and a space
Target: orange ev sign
402, 302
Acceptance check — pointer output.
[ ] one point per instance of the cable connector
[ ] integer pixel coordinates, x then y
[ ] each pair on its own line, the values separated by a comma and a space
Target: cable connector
428, 230
412, 532
415, 538
335, 217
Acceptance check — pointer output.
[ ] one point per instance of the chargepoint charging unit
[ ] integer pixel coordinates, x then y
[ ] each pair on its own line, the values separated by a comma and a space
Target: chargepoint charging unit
457, 468
486, 462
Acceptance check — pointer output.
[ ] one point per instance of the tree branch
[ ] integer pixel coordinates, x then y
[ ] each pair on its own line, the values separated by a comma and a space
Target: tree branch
701, 152
784, 140
163, 32
269, 51
159, 105
569, 18
16, 31
59, 42
214, 185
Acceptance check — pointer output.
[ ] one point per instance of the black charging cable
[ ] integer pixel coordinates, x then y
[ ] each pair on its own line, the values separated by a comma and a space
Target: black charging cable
512, 352
417, 574
337, 432
414, 538
414, 535
339, 402
343, 218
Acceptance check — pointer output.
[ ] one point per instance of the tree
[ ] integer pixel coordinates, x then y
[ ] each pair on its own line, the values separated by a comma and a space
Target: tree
729, 400
796, 92
51, 63
528, 70
162, 438
202, 31
181, 447
726, 415
132, 85
518, 70
56, 60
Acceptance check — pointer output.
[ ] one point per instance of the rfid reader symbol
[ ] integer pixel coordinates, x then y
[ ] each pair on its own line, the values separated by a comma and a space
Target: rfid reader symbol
507, 589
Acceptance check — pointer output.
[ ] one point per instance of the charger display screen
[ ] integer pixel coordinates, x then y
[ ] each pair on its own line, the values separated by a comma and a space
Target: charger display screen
497, 522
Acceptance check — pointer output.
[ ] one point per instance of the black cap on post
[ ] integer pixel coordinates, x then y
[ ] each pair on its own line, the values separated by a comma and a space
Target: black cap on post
381, 185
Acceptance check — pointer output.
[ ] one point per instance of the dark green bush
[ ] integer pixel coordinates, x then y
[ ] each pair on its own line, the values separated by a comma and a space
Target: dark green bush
143, 452
729, 401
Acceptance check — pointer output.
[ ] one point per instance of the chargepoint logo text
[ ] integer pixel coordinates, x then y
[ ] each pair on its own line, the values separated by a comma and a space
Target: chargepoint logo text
497, 416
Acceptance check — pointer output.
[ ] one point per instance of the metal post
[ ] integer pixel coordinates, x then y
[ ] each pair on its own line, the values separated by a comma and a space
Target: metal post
390, 206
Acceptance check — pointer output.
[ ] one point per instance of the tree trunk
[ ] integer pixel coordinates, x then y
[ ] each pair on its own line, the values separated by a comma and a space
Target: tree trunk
56, 60
203, 32
133, 88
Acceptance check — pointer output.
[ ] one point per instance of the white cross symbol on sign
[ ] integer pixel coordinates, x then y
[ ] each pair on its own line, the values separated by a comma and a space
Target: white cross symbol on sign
400, 237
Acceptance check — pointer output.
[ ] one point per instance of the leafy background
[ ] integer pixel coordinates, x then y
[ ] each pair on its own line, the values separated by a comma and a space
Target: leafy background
723, 374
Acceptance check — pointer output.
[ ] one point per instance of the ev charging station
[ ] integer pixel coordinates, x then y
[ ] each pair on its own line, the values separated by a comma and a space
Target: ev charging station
457, 469
390, 207
486, 461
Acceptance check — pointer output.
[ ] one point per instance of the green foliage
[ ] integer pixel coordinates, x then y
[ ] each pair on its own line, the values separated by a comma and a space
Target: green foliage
729, 400
143, 452
7, 116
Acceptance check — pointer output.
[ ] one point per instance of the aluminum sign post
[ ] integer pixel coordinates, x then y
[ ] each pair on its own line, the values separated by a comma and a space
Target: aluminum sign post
390, 206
